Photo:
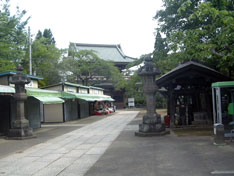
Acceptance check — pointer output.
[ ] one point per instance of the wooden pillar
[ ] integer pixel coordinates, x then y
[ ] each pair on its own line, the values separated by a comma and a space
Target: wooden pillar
168, 105
172, 106
208, 106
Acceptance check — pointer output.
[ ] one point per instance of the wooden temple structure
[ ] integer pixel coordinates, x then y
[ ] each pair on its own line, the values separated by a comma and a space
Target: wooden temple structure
188, 91
110, 53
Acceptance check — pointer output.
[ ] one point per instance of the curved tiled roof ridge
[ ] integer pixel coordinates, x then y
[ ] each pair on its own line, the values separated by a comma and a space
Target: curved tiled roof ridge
111, 52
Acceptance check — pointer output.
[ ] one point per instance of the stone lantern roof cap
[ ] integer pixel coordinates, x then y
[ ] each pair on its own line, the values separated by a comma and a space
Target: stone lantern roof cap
148, 68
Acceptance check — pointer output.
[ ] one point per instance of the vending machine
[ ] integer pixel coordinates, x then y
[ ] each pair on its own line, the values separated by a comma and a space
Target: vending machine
223, 107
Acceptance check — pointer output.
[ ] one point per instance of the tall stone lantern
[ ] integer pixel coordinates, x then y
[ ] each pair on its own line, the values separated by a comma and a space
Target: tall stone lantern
20, 128
151, 124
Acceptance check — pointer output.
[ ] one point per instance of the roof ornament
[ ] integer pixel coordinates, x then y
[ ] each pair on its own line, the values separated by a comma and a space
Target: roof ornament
148, 68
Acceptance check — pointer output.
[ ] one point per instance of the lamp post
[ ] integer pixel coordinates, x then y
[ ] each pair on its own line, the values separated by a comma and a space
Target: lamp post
151, 124
20, 128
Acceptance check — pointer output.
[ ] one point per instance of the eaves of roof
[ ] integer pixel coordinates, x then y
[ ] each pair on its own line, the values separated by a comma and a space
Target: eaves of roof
187, 67
13, 73
109, 52
96, 88
66, 83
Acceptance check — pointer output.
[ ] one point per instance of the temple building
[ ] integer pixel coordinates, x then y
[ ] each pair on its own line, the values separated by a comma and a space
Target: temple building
188, 91
114, 54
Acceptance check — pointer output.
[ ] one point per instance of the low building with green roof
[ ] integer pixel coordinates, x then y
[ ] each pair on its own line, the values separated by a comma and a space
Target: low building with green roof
68, 87
6, 76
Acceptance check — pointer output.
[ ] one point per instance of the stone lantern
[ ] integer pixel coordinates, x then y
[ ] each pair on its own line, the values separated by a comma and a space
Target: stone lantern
151, 124
20, 128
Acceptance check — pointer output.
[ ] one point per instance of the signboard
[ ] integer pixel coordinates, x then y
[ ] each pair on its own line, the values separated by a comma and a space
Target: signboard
131, 102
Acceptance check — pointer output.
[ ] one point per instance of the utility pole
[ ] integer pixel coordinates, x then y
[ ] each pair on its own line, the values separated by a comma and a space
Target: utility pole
30, 51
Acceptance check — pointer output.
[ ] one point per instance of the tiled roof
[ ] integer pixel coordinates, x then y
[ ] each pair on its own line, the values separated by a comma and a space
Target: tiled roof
183, 69
111, 53
13, 73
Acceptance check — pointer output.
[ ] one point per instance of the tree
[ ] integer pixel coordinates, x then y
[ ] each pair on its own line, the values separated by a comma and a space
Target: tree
160, 54
87, 67
39, 35
49, 36
13, 37
199, 30
45, 61
134, 89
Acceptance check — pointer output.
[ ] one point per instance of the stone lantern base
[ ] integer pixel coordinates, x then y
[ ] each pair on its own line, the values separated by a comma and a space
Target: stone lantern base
20, 130
151, 126
19, 134
150, 134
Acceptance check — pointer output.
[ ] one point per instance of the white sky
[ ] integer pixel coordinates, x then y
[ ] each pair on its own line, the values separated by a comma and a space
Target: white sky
126, 22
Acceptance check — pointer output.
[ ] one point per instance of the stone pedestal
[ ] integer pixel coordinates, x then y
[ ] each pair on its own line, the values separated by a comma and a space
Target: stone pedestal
20, 128
151, 124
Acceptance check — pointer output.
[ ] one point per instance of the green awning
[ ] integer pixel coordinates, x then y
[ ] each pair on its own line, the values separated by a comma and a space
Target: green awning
45, 96
86, 97
94, 97
49, 100
68, 95
42, 92
7, 89
223, 84
109, 99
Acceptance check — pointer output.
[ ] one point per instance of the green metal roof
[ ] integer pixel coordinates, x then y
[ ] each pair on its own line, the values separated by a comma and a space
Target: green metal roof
68, 84
86, 97
6, 89
111, 53
96, 88
13, 73
68, 95
42, 92
45, 96
49, 100
223, 84
75, 85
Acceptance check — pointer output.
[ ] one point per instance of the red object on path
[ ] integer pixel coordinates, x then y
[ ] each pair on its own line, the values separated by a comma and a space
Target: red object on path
98, 113
167, 121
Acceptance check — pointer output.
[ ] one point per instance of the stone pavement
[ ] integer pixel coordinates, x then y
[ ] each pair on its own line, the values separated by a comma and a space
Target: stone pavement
108, 147
47, 132
169, 155
71, 154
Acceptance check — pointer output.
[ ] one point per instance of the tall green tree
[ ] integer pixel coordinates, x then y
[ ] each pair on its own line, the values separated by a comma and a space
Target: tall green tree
49, 36
134, 89
199, 30
160, 54
45, 61
39, 35
13, 37
87, 67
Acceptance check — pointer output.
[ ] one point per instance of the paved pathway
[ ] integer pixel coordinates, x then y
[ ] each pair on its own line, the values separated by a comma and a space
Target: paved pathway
71, 154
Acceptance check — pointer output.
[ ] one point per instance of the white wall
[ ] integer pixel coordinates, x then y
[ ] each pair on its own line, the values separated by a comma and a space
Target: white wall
53, 112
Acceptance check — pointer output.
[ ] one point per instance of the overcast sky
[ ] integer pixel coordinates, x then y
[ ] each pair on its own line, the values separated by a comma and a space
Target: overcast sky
126, 22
